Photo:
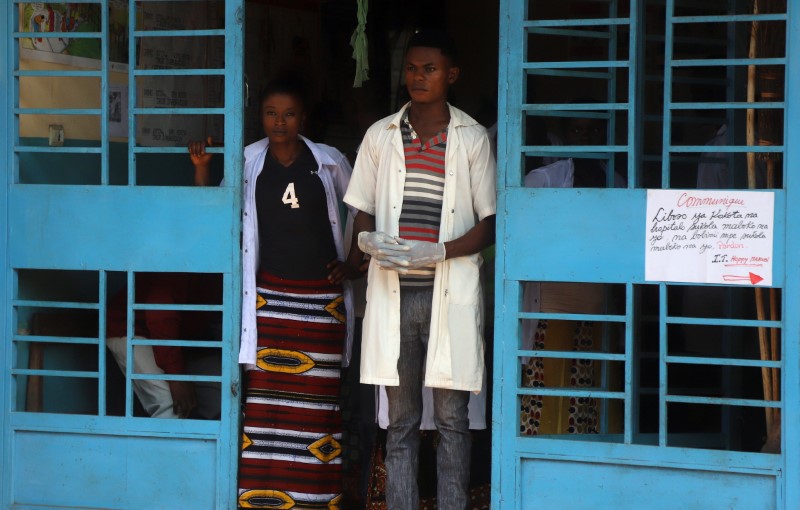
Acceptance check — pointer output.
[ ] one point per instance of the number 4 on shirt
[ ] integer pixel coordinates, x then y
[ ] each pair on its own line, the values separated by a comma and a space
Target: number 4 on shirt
290, 198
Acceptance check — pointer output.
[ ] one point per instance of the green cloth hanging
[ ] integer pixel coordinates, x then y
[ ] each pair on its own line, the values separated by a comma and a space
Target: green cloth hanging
359, 43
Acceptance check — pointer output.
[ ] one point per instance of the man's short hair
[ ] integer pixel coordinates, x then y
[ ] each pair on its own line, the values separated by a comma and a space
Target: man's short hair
438, 39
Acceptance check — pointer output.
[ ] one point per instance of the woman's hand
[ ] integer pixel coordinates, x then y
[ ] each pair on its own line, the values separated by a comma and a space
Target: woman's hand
341, 271
201, 160
198, 154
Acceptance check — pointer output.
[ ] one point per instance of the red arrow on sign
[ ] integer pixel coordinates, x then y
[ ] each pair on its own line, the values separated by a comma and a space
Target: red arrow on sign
754, 278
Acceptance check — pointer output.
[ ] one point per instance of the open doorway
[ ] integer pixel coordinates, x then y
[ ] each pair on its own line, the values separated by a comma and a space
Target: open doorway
311, 40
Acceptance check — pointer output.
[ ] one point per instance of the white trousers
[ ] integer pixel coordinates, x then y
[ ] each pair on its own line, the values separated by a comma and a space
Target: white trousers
153, 394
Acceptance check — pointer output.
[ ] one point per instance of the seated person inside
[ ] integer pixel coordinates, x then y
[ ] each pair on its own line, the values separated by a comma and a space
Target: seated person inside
170, 399
576, 172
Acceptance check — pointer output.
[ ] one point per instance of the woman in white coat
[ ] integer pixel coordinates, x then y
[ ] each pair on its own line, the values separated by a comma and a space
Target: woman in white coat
296, 319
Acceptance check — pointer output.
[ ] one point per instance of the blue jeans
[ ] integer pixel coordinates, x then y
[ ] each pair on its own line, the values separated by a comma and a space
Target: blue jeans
405, 415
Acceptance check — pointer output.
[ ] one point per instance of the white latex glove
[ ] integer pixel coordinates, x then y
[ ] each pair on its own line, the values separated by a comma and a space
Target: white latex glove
409, 254
376, 243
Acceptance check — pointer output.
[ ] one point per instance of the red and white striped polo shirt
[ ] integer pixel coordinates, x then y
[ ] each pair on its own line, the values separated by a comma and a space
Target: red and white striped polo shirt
422, 195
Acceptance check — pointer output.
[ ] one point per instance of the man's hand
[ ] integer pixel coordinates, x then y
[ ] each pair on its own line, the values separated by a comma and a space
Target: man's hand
184, 398
377, 244
410, 254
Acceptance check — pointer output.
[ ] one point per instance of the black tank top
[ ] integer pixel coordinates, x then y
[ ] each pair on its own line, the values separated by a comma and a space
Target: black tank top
295, 237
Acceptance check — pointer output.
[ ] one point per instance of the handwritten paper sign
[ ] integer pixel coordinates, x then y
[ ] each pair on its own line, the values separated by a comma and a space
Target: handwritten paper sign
709, 236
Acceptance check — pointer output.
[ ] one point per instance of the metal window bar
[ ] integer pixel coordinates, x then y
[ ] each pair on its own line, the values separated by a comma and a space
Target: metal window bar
662, 363
703, 62
631, 378
176, 377
57, 373
722, 322
57, 111
55, 304
178, 343
177, 306
178, 111
567, 392
572, 316
179, 72
173, 150
602, 392
571, 68
74, 340
727, 148
730, 63
568, 74
721, 18
132, 19
98, 374
102, 367
104, 81
56, 150
132, 308
102, 74
130, 318
73, 73
100, 342
179, 33
742, 402
577, 64
600, 356
588, 22
55, 35
733, 362
569, 32
728, 361
611, 95
104, 88
14, 124
583, 70
136, 33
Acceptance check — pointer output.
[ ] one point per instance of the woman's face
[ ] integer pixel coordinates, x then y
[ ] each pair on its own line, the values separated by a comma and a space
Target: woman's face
282, 116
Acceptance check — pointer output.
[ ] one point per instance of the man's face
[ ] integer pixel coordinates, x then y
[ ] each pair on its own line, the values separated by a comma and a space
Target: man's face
429, 75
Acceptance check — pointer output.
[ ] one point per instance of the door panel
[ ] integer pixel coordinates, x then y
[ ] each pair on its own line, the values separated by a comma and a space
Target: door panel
604, 234
149, 227
107, 229
120, 475
635, 487
617, 390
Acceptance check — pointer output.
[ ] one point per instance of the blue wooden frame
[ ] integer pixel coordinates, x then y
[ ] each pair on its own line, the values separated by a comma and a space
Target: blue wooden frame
791, 345
516, 459
5, 284
222, 257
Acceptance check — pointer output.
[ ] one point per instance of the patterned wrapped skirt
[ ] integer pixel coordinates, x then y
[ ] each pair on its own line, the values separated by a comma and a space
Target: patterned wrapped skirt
291, 442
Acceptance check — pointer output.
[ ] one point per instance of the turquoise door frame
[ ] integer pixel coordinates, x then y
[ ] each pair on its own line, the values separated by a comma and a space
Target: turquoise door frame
5, 164
791, 345
79, 459
598, 236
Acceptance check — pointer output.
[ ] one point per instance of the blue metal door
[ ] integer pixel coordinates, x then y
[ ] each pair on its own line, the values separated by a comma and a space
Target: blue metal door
613, 390
99, 100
